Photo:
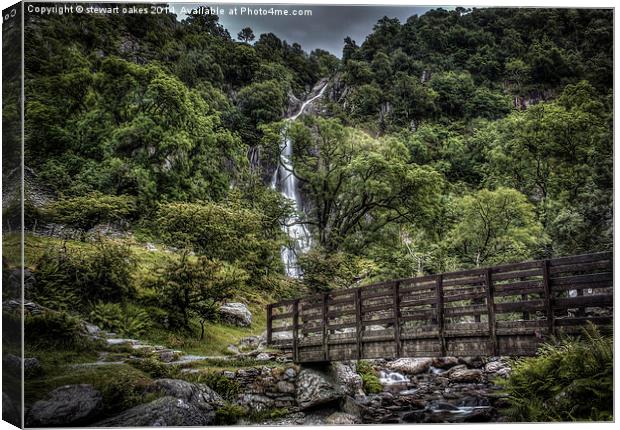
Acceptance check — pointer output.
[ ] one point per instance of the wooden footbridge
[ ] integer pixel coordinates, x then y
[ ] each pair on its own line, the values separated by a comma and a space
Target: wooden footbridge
501, 310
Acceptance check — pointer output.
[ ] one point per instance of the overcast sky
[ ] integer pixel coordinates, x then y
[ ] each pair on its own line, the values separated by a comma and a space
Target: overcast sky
325, 29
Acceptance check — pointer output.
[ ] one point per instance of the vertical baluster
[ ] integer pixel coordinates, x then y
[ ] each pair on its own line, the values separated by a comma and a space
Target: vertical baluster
358, 321
269, 323
491, 311
397, 318
439, 312
548, 297
295, 330
325, 332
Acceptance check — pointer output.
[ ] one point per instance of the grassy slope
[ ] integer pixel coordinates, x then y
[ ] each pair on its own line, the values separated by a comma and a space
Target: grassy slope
217, 336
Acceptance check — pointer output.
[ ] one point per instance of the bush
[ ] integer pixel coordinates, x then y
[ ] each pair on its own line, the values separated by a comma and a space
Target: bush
85, 212
370, 380
196, 286
126, 320
324, 271
220, 231
570, 379
78, 277
55, 329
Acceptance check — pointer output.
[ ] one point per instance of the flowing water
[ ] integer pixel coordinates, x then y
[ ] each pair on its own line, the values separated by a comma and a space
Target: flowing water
284, 181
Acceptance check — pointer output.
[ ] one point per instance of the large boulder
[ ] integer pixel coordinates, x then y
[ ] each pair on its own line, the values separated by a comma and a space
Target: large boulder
236, 314
314, 389
69, 405
165, 411
32, 366
256, 402
346, 376
341, 418
462, 374
199, 395
410, 366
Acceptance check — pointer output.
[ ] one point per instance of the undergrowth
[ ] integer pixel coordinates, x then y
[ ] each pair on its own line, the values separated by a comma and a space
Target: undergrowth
571, 379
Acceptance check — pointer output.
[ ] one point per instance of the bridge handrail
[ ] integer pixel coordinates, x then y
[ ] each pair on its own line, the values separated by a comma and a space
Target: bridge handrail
406, 299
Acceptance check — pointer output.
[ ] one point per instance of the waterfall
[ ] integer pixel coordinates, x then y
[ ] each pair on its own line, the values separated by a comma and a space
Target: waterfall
284, 181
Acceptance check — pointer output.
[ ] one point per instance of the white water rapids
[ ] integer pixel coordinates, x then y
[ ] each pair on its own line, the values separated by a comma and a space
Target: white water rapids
284, 181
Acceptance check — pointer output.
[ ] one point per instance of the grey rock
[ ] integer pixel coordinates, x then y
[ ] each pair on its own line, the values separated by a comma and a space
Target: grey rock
233, 349
256, 402
199, 395
314, 389
341, 418
290, 373
69, 405
410, 366
168, 356
346, 375
165, 411
285, 387
263, 356
92, 329
32, 366
236, 314
466, 375
445, 362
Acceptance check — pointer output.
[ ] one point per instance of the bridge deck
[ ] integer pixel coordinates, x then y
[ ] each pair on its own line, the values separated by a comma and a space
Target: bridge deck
501, 310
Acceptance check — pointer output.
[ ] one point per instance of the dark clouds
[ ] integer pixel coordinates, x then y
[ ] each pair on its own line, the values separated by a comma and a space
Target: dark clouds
325, 29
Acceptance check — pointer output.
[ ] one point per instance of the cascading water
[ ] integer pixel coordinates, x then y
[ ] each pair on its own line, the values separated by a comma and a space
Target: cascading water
286, 183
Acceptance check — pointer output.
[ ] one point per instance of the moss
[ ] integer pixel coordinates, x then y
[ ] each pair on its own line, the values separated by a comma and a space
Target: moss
228, 388
121, 386
370, 380
229, 414
155, 368
267, 414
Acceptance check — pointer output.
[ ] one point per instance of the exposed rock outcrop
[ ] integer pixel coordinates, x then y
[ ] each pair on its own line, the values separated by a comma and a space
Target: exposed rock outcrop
314, 389
69, 405
236, 314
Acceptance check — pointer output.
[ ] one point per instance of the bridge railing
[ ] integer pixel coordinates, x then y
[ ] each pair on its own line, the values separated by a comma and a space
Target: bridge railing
501, 310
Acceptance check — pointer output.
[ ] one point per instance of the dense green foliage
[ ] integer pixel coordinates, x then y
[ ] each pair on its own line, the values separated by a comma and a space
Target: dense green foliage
569, 380
457, 139
69, 278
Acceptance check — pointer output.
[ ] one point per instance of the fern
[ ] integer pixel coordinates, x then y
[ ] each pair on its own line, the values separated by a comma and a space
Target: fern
571, 379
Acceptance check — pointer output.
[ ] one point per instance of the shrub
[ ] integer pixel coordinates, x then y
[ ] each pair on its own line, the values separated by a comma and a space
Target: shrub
220, 231
323, 270
55, 329
570, 379
69, 278
196, 287
85, 212
126, 320
370, 380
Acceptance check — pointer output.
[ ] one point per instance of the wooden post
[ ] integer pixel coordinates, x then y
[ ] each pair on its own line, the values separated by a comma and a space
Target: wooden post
325, 345
269, 323
491, 312
396, 311
439, 312
358, 321
295, 330
548, 297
